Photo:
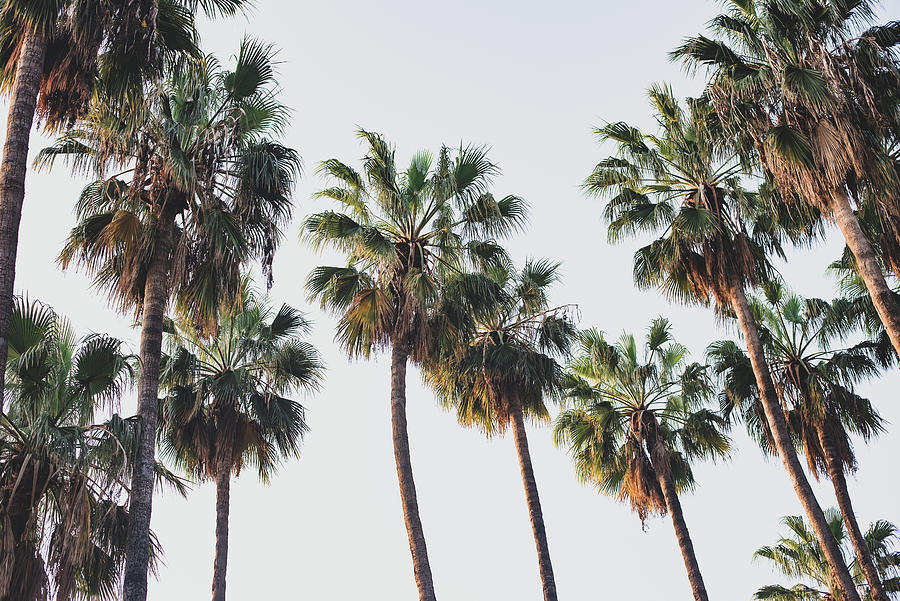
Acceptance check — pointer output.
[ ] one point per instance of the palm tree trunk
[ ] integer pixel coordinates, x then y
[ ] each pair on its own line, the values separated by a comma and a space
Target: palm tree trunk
884, 299
534, 502
223, 504
787, 452
156, 294
13, 165
673, 504
839, 482
421, 567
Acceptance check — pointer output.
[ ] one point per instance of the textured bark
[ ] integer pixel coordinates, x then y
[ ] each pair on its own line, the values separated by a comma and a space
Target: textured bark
535, 514
836, 473
886, 303
13, 165
673, 504
784, 446
421, 567
156, 294
223, 505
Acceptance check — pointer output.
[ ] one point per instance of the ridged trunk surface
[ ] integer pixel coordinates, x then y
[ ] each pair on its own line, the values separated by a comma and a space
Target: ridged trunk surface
13, 165
535, 513
886, 303
784, 446
156, 294
223, 506
421, 567
835, 469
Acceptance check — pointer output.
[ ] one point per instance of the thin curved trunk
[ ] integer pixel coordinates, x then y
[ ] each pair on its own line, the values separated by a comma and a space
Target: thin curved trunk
156, 294
787, 452
421, 567
534, 503
13, 165
223, 505
839, 482
886, 303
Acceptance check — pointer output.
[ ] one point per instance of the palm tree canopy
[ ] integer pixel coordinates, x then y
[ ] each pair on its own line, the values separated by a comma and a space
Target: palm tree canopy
74, 466
407, 235
230, 392
116, 45
809, 88
205, 153
511, 355
798, 556
682, 185
813, 375
631, 406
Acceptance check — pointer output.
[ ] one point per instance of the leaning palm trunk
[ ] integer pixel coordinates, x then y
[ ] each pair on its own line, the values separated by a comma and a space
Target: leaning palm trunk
23, 101
421, 567
156, 294
835, 469
223, 504
534, 503
660, 462
784, 446
884, 299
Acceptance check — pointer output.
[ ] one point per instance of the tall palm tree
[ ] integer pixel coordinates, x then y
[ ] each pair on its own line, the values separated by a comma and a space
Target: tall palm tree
638, 424
405, 234
715, 237
502, 373
798, 555
225, 403
815, 382
62, 472
813, 98
181, 202
52, 55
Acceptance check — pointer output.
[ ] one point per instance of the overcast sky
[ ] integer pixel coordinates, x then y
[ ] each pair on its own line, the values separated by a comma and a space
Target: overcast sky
530, 80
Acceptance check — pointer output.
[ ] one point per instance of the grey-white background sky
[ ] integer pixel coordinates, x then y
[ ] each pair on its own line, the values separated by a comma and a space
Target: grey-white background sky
529, 79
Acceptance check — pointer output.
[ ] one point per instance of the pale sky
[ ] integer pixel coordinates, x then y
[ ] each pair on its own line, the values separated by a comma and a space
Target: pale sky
529, 79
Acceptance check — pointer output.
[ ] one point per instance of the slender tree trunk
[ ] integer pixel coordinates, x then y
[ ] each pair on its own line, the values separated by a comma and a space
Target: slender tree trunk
778, 426
156, 294
13, 165
884, 299
223, 504
682, 534
534, 502
421, 567
836, 474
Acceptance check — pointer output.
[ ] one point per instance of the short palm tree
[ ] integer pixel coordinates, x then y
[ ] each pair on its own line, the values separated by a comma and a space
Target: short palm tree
62, 472
815, 381
638, 423
798, 555
405, 235
504, 371
226, 401
188, 192
810, 88
52, 55
714, 240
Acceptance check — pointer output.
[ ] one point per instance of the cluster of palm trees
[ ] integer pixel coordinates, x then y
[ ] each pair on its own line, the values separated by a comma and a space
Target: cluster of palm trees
797, 128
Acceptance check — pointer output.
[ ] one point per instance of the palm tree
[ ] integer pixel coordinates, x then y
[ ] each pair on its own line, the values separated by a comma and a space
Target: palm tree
52, 55
638, 424
714, 242
62, 473
504, 371
812, 97
180, 204
798, 555
405, 235
225, 405
815, 382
